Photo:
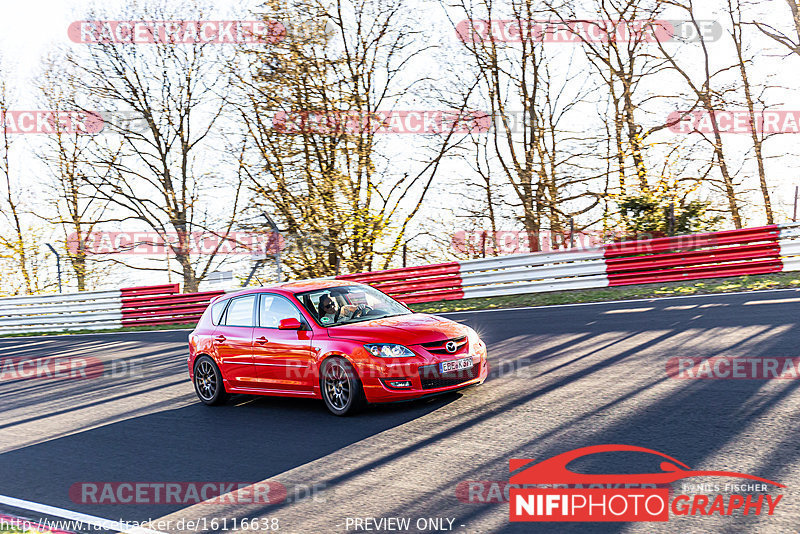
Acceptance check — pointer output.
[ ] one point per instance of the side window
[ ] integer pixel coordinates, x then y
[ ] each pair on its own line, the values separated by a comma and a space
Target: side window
216, 311
274, 308
240, 311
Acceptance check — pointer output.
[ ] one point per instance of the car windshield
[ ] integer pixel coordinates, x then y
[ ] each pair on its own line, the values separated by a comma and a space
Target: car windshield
335, 306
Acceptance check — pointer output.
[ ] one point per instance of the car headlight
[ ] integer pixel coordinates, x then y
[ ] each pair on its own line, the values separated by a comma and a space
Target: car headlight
389, 350
474, 341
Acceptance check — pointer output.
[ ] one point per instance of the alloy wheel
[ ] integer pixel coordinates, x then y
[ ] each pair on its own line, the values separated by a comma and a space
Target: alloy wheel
337, 385
206, 380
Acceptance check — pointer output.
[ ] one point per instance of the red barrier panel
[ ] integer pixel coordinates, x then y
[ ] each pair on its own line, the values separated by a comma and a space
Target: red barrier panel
692, 257
433, 296
424, 271
163, 304
698, 257
179, 298
415, 284
697, 273
693, 241
169, 311
165, 289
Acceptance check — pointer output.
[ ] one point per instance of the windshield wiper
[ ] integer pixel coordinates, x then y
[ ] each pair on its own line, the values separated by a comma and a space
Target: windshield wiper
368, 318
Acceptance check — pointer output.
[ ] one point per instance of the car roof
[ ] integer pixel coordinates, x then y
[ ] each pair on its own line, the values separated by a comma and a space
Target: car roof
291, 287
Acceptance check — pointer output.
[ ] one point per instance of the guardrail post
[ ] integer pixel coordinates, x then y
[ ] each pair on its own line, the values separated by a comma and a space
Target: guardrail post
58, 264
572, 232
671, 219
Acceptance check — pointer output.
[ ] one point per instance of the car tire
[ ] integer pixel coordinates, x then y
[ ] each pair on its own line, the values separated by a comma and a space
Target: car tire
340, 387
208, 382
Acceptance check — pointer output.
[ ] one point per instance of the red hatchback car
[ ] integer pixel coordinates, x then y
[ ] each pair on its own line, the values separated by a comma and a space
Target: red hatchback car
346, 343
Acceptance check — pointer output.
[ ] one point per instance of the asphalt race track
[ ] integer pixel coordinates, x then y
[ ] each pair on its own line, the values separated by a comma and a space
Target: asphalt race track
562, 378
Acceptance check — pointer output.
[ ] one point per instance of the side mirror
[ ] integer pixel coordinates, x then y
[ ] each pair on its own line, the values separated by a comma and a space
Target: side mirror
290, 324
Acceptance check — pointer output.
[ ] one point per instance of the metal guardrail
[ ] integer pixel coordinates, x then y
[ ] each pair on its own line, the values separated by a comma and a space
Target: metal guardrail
90, 310
534, 273
761, 250
97, 310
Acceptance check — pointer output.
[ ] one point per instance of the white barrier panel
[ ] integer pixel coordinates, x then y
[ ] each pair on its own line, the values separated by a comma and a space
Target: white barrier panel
535, 258
789, 242
541, 286
534, 273
88, 310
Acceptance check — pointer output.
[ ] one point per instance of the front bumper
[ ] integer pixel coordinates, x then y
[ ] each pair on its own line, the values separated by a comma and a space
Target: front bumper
423, 376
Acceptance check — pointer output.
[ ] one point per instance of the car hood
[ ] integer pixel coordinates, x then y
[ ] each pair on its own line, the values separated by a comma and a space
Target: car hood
403, 329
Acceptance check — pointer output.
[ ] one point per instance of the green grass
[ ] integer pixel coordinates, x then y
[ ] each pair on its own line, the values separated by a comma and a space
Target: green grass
669, 289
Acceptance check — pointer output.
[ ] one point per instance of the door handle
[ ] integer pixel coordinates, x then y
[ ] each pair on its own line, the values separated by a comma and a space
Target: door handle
262, 339
220, 339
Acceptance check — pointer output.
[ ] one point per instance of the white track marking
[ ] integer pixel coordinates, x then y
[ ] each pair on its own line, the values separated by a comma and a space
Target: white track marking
650, 300
773, 301
75, 516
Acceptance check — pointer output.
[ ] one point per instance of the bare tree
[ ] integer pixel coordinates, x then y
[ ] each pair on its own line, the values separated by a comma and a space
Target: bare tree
77, 207
155, 171
735, 15
535, 150
14, 246
709, 99
312, 106
624, 59
792, 43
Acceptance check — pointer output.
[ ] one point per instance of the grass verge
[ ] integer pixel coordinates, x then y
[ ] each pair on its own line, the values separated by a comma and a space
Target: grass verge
669, 289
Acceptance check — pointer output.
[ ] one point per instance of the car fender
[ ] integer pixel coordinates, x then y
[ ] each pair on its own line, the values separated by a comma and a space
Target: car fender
333, 352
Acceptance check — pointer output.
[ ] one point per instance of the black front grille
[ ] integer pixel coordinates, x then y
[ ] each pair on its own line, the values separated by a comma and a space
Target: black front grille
431, 378
438, 347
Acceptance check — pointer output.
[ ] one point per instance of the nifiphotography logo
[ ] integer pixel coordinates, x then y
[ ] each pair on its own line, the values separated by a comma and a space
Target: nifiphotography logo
624, 497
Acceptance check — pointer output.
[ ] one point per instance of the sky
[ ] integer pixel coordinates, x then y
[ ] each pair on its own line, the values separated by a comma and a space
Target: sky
29, 28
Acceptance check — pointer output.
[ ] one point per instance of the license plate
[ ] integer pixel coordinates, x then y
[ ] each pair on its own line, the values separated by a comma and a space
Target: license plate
455, 365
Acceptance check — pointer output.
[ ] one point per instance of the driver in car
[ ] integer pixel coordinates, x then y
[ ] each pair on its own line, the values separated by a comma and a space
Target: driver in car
331, 312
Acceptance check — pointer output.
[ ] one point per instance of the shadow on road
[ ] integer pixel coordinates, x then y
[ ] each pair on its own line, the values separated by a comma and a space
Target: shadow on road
248, 440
